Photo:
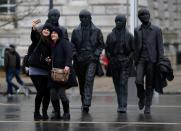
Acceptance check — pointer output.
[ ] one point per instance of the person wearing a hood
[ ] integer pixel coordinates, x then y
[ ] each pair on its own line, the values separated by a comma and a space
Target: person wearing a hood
38, 58
119, 50
88, 44
61, 57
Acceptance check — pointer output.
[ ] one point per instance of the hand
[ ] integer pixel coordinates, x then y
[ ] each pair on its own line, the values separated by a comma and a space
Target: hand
34, 23
66, 69
48, 59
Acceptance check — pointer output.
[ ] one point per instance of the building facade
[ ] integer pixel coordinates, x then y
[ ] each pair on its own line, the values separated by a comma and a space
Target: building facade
16, 17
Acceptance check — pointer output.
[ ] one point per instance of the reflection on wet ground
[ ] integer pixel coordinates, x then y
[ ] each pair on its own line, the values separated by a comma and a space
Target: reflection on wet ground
17, 115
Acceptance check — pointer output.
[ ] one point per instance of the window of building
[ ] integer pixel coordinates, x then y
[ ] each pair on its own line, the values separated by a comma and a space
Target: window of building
7, 6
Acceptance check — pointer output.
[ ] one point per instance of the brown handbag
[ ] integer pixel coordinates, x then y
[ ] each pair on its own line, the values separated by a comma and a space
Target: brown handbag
58, 75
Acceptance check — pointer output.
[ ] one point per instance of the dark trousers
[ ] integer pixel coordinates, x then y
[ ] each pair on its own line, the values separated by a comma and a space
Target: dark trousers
57, 93
145, 69
120, 76
43, 92
10, 74
86, 74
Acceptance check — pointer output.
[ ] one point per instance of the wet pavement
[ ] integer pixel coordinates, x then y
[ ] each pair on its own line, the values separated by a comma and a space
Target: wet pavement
17, 111
17, 115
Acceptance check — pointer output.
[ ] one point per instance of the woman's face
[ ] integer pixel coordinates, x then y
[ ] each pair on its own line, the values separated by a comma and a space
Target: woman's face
54, 36
45, 32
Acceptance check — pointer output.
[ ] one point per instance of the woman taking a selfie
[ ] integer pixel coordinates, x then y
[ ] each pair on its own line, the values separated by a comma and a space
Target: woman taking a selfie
39, 66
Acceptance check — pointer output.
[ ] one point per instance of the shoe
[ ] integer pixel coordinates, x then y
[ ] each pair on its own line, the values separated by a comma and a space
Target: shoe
66, 116
121, 109
56, 116
85, 109
45, 116
147, 110
141, 104
122, 112
10, 95
37, 116
26, 92
18, 90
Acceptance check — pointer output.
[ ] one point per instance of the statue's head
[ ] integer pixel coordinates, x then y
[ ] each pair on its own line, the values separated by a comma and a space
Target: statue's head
53, 16
85, 17
144, 16
120, 21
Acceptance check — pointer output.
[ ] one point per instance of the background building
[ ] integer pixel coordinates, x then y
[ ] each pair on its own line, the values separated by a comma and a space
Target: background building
16, 17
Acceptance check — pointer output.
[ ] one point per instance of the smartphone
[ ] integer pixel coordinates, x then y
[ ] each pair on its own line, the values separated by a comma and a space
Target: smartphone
38, 21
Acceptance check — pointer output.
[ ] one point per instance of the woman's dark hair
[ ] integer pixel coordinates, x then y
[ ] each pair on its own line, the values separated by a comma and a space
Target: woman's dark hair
59, 31
47, 26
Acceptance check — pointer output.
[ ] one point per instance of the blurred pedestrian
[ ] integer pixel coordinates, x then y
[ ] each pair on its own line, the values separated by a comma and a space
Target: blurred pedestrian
12, 68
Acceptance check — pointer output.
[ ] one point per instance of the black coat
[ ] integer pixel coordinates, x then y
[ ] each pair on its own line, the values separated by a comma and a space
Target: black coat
18, 60
38, 51
96, 40
64, 31
112, 41
163, 72
110, 48
154, 43
61, 57
35, 37
62, 54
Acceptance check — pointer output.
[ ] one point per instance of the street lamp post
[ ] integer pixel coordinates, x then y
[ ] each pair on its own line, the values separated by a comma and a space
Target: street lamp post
133, 15
50, 4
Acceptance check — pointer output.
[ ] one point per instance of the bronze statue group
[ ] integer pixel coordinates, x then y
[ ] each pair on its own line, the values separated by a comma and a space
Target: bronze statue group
51, 48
